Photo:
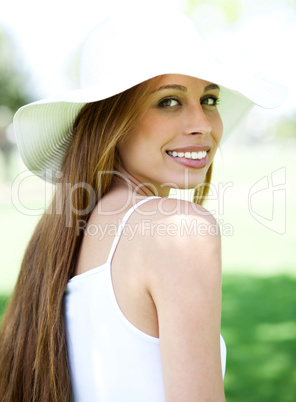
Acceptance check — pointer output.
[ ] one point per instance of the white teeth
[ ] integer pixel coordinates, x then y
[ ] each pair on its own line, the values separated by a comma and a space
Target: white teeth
189, 155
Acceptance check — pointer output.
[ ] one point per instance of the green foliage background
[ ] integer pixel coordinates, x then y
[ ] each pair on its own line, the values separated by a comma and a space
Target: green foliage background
259, 280
258, 322
14, 91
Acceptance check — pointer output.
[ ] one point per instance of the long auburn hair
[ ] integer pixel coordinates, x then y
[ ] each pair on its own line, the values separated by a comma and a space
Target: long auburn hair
34, 363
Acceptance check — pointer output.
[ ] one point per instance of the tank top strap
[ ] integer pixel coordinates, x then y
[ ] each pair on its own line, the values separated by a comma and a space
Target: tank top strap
122, 225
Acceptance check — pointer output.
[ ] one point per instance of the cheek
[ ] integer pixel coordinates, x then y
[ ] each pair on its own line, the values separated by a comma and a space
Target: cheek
147, 136
136, 147
152, 127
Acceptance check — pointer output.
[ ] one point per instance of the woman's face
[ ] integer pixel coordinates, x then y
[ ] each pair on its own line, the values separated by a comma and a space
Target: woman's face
174, 143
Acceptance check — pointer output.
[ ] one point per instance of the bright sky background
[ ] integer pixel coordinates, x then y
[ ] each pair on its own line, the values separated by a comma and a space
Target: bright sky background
49, 33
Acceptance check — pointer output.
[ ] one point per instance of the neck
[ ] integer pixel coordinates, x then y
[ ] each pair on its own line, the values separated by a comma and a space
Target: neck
124, 180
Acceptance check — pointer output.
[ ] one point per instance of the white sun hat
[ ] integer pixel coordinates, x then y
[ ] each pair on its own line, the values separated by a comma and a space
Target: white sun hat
121, 52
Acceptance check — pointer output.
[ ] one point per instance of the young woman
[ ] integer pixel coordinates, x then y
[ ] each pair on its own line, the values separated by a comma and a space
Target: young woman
119, 293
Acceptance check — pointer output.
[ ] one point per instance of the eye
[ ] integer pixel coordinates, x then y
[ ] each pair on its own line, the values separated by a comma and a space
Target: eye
168, 102
210, 100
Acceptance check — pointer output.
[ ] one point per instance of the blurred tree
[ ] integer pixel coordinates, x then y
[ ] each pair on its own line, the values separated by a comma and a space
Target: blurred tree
13, 80
14, 93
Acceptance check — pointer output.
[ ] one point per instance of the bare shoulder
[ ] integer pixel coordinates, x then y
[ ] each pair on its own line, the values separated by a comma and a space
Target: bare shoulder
183, 271
177, 229
180, 250
170, 210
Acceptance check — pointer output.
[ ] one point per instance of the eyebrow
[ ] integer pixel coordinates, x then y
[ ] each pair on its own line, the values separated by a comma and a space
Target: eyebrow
211, 87
178, 87
184, 89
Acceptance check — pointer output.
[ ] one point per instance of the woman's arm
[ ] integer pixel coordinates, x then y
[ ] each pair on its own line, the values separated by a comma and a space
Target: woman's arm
185, 285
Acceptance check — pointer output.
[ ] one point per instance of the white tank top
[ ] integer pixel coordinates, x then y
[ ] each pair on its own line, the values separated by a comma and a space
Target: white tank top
110, 359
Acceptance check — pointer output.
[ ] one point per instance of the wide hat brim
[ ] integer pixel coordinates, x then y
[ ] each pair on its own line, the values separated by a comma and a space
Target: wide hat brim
115, 59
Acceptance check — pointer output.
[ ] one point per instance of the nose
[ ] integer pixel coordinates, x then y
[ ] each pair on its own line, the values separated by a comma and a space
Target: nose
197, 121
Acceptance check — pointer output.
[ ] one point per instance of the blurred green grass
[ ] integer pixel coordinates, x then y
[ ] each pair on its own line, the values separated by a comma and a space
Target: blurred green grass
259, 328
259, 271
251, 249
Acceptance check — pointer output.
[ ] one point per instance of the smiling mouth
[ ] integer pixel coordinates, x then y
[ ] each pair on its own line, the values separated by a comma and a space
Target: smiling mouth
188, 155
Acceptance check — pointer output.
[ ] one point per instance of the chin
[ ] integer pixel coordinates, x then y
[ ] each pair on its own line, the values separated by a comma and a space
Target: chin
188, 182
